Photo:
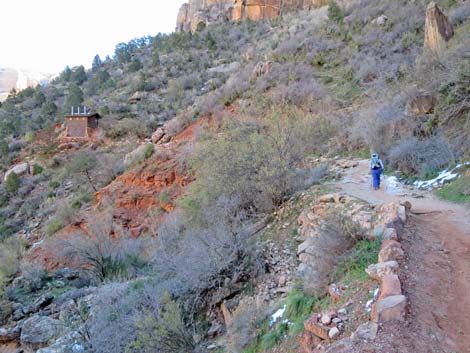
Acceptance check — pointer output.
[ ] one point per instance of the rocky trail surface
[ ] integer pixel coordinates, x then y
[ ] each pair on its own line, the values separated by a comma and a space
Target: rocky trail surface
436, 276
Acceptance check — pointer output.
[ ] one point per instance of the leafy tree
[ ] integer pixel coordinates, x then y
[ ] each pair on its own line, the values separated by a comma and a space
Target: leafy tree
12, 183
97, 63
82, 165
75, 96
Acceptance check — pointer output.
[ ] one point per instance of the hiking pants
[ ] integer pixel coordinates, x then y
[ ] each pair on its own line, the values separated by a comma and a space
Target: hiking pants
376, 177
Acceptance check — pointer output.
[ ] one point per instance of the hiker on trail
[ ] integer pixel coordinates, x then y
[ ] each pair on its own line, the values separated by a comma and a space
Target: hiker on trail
376, 166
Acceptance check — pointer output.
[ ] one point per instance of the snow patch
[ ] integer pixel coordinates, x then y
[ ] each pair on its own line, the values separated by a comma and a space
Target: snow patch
277, 315
443, 177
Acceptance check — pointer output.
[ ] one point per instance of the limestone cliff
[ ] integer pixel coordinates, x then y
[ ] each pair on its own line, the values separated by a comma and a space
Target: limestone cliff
197, 12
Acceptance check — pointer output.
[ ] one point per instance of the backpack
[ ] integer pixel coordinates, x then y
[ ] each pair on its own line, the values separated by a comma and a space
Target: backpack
376, 163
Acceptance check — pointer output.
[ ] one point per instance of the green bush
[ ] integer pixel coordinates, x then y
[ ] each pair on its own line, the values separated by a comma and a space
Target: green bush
255, 161
149, 150
37, 169
54, 225
12, 183
363, 254
456, 191
135, 65
29, 136
273, 338
163, 331
334, 12
11, 250
54, 184
299, 305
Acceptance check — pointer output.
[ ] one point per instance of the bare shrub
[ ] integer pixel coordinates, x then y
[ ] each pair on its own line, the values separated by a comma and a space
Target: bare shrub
245, 324
336, 234
200, 257
11, 250
419, 157
138, 317
33, 276
103, 256
381, 126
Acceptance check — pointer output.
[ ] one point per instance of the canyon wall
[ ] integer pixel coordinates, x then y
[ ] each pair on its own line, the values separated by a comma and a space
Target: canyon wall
197, 12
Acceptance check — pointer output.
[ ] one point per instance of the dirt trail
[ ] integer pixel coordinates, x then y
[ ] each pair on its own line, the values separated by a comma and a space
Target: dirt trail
436, 276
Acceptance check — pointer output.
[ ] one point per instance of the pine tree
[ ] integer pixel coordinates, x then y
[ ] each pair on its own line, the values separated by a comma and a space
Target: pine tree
75, 96
97, 62
79, 75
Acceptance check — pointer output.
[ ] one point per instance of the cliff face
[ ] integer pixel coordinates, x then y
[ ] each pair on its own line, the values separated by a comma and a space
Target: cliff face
195, 12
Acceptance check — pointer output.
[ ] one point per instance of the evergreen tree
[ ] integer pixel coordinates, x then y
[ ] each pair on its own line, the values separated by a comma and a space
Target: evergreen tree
79, 75
66, 74
39, 98
155, 58
135, 65
75, 96
48, 108
96, 63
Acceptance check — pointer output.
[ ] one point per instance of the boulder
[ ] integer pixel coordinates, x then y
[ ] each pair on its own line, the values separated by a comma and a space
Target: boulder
391, 250
345, 164
136, 155
8, 334
313, 326
391, 286
308, 341
328, 198
407, 205
69, 343
336, 293
402, 213
158, 135
378, 271
282, 281
421, 105
226, 313
390, 234
392, 308
365, 332
261, 69
333, 333
225, 68
19, 169
438, 29
380, 21
39, 330
42, 302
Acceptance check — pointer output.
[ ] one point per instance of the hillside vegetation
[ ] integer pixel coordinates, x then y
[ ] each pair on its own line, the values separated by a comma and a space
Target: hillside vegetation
247, 110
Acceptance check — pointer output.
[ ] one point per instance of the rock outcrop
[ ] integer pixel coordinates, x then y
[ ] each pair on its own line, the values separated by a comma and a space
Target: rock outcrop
438, 29
203, 12
19, 169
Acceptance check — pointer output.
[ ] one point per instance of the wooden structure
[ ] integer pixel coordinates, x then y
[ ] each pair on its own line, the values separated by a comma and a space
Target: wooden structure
79, 123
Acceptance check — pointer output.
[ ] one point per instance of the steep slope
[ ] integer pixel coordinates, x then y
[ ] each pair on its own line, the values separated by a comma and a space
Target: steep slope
283, 97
